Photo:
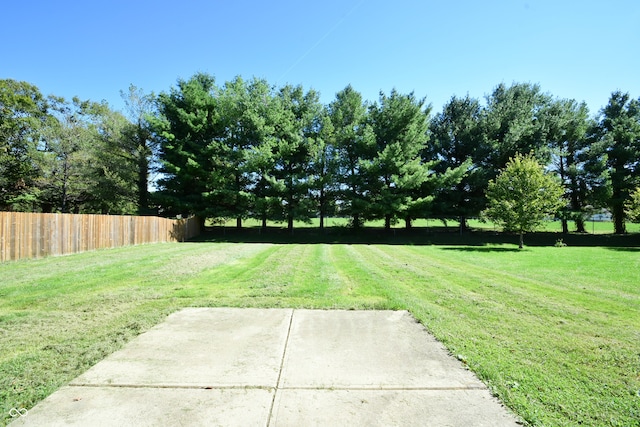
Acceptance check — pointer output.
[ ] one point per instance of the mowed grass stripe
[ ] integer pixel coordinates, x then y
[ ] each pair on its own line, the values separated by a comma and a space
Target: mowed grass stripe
106, 269
309, 276
362, 287
527, 288
280, 271
535, 354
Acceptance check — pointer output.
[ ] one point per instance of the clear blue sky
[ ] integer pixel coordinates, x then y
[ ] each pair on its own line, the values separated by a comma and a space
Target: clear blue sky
94, 48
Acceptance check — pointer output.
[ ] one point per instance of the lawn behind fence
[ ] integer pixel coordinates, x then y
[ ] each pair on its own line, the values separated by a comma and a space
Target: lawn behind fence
553, 331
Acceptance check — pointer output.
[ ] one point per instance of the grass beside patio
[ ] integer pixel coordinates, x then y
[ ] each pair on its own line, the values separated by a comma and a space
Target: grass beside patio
554, 332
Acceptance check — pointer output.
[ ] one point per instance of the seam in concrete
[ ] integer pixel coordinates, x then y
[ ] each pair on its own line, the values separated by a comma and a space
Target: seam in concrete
385, 388
175, 386
284, 354
270, 389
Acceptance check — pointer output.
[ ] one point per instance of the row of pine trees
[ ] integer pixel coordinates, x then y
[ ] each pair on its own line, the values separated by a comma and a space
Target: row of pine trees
247, 149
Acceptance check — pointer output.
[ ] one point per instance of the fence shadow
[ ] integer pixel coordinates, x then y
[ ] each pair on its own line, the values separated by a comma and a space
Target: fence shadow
185, 229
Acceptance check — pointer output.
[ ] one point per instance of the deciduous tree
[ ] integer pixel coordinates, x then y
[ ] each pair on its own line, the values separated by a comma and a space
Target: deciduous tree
24, 113
64, 161
142, 148
84, 162
632, 206
523, 196
114, 172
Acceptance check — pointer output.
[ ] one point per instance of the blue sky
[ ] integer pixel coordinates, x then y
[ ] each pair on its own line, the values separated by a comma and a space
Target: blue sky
93, 49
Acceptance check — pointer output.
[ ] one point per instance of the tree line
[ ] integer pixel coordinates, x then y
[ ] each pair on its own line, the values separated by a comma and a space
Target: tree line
72, 156
247, 149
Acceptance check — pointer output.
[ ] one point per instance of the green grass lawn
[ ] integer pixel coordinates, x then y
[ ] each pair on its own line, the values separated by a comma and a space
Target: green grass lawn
554, 332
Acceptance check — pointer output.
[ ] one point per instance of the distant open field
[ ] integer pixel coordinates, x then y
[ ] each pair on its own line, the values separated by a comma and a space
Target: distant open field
553, 331
592, 227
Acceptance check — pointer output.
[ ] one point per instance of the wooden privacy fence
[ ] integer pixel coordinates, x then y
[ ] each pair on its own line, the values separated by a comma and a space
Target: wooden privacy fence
34, 235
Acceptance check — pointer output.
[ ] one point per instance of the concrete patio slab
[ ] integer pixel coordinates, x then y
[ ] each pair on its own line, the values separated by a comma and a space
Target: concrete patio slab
368, 349
326, 407
149, 406
276, 367
201, 347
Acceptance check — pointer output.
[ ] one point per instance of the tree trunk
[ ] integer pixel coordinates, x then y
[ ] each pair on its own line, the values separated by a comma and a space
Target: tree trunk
239, 223
290, 223
563, 220
387, 222
576, 205
356, 221
143, 174
65, 177
619, 226
322, 203
407, 222
463, 224
521, 245
264, 222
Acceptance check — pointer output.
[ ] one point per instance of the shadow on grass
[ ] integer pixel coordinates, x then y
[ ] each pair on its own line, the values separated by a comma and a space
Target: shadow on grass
629, 249
481, 249
472, 240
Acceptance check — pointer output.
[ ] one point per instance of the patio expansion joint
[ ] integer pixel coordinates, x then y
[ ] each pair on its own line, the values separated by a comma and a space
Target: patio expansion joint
282, 359
174, 386
271, 389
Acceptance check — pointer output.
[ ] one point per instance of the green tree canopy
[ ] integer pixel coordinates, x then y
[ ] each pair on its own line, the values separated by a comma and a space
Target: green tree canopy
617, 148
400, 124
295, 128
568, 124
24, 113
114, 170
457, 144
84, 163
324, 168
140, 146
632, 206
243, 112
355, 148
522, 196
514, 122
248, 149
188, 129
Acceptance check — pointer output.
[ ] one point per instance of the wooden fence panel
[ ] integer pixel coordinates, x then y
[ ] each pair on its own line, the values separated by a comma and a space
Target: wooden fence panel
34, 235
